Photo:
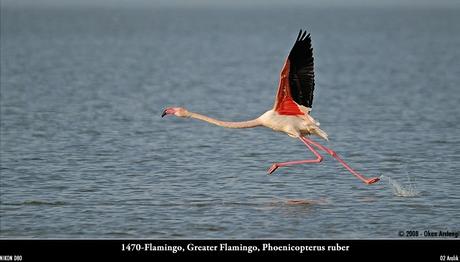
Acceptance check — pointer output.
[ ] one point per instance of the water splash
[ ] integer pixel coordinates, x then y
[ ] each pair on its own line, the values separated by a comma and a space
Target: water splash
402, 190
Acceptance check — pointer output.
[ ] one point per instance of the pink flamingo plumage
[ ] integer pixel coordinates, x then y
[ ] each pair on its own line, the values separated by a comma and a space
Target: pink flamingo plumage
291, 112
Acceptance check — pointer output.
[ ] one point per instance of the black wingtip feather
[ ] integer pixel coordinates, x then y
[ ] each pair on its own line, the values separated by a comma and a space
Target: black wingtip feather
301, 73
298, 36
303, 35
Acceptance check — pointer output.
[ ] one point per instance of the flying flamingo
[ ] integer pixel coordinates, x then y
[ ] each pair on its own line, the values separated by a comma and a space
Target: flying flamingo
291, 111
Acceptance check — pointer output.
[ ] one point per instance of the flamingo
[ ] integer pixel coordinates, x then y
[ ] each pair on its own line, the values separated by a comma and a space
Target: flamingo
291, 111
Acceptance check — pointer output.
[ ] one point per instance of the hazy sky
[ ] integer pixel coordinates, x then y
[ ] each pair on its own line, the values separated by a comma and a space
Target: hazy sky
238, 3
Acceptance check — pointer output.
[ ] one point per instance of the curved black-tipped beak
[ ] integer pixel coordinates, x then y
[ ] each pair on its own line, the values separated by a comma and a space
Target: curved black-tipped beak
164, 113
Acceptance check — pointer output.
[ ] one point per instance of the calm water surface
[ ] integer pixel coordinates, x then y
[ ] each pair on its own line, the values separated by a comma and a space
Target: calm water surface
85, 154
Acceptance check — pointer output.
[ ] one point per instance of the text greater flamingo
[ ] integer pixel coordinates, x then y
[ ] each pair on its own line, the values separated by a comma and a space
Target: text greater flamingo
291, 111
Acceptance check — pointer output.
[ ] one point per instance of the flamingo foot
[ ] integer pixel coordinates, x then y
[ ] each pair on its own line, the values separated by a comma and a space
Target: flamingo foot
372, 180
272, 168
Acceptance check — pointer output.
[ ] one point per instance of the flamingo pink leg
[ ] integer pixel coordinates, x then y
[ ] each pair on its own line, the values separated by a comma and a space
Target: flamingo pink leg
318, 159
334, 155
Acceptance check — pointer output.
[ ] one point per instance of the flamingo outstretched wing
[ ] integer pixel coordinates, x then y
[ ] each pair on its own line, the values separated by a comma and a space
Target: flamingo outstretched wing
297, 79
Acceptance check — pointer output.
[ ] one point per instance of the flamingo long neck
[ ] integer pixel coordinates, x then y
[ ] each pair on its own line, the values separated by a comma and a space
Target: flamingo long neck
242, 124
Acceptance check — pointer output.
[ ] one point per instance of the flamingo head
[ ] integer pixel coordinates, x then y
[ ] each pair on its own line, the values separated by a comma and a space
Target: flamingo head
177, 111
